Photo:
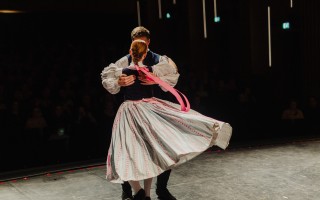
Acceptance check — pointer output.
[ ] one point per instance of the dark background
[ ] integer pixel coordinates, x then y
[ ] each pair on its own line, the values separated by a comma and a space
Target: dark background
54, 110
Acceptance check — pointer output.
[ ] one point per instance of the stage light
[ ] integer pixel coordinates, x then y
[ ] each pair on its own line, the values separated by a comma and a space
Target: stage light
269, 36
215, 8
204, 18
168, 16
10, 11
217, 19
138, 13
159, 9
285, 25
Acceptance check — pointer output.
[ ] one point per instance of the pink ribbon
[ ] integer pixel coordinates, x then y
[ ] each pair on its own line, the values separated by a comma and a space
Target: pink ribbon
185, 106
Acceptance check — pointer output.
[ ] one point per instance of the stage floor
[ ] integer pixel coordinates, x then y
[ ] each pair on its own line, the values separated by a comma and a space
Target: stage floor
270, 172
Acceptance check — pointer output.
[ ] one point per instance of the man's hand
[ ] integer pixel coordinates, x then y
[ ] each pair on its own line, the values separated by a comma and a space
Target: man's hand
125, 80
145, 81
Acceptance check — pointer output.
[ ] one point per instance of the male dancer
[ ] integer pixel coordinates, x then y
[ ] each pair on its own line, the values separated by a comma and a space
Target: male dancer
113, 85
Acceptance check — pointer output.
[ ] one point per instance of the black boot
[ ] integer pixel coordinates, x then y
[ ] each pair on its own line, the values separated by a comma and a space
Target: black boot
162, 190
141, 195
126, 191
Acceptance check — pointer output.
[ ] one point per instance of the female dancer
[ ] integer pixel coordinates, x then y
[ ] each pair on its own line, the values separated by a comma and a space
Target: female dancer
151, 135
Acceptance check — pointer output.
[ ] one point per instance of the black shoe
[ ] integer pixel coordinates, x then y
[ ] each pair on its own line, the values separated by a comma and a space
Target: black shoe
164, 194
147, 198
126, 196
141, 195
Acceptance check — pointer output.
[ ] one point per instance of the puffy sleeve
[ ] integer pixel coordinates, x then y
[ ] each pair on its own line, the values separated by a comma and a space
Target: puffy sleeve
110, 75
167, 71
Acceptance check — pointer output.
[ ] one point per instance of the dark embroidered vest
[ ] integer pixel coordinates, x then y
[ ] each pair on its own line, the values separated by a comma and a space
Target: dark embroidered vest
150, 60
136, 91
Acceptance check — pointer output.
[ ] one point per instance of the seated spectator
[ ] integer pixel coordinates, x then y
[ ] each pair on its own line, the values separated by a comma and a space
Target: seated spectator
292, 112
58, 138
292, 119
35, 127
84, 134
36, 120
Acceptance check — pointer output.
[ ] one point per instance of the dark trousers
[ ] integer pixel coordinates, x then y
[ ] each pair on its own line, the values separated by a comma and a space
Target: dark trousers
162, 182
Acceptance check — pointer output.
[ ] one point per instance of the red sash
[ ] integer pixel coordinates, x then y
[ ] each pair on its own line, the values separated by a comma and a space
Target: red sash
185, 106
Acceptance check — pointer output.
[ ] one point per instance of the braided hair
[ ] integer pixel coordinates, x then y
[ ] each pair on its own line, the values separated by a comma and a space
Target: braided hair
138, 49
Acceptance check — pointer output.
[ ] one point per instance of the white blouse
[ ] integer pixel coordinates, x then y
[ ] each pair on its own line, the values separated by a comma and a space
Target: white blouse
166, 70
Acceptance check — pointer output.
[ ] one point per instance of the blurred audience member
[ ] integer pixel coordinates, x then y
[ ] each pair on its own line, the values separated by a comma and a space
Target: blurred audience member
58, 134
292, 119
292, 112
35, 130
84, 134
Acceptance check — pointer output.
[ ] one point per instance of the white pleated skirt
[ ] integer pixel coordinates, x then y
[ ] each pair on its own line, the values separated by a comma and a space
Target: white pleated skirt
150, 136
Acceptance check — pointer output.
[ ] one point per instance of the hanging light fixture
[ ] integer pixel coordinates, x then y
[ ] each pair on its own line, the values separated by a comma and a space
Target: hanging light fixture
269, 36
138, 13
215, 8
204, 18
216, 17
159, 9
